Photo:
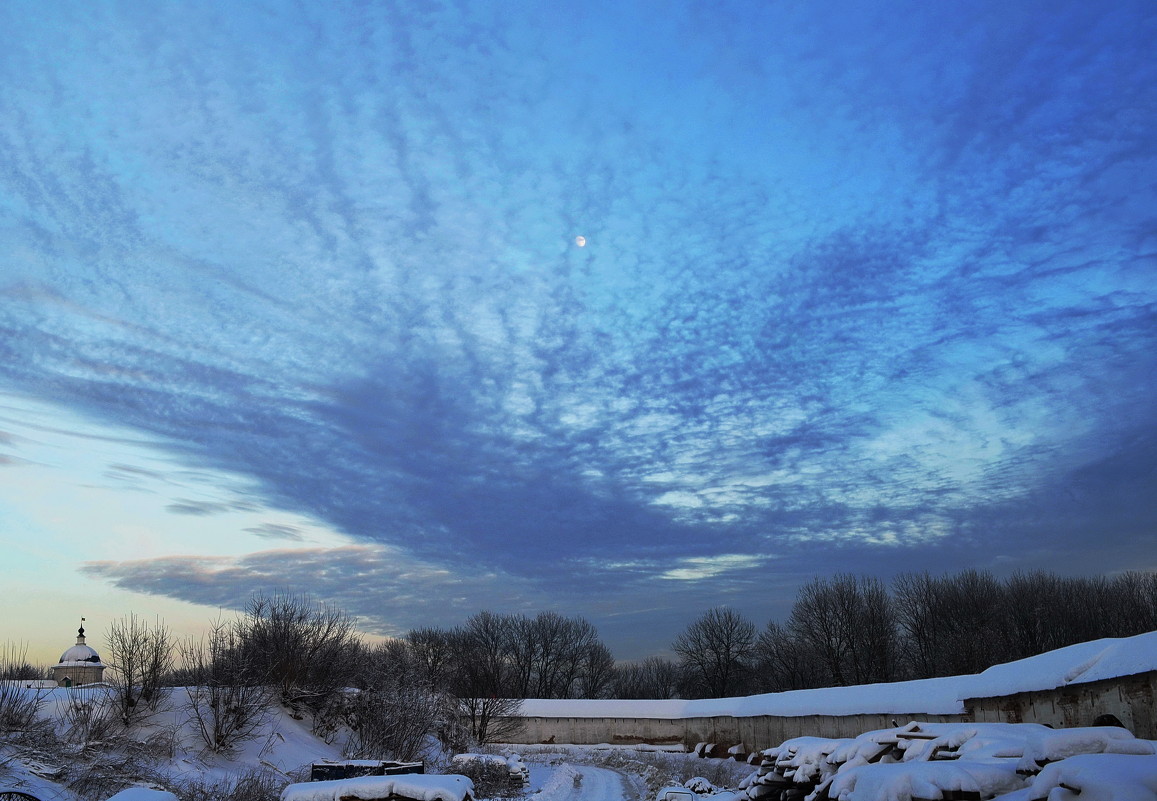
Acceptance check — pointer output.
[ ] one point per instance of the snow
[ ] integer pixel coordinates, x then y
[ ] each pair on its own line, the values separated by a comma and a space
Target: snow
283, 745
420, 787
1053, 745
493, 760
802, 759
995, 760
143, 794
902, 782
1095, 777
1084, 662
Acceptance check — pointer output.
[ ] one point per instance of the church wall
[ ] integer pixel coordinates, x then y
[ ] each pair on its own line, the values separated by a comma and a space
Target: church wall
77, 675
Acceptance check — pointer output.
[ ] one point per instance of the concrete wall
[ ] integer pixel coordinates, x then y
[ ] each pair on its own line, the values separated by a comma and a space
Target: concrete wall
755, 733
1130, 699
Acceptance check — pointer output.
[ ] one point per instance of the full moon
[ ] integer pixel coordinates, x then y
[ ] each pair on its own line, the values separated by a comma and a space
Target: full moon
581, 241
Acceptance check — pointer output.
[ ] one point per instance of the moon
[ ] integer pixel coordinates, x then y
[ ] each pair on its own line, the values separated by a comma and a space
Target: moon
581, 241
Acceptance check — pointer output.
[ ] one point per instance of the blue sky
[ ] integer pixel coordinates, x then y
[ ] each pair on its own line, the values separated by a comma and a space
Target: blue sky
291, 299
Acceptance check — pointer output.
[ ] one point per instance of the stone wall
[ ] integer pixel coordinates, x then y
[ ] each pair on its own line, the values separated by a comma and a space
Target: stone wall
754, 733
1129, 699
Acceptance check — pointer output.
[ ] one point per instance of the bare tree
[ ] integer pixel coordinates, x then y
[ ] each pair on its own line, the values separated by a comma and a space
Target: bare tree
652, 678
817, 625
661, 677
396, 707
597, 674
1132, 606
431, 650
916, 597
972, 613
873, 636
783, 664
1035, 613
564, 648
715, 651
305, 649
140, 655
549, 654
482, 676
228, 699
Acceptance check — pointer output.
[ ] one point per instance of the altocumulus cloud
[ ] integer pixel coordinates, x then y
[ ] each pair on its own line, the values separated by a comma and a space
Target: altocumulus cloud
875, 281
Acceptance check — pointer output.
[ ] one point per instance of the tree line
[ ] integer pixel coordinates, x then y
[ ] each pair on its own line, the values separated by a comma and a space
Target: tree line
848, 629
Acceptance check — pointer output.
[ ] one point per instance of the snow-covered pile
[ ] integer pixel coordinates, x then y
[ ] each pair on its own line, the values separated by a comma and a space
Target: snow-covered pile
512, 765
937, 760
1055, 745
418, 787
903, 782
1094, 777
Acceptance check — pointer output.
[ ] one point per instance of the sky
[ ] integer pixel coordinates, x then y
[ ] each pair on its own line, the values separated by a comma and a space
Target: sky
620, 309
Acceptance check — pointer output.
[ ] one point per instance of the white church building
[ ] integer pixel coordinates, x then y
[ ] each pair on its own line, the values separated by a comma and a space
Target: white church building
79, 665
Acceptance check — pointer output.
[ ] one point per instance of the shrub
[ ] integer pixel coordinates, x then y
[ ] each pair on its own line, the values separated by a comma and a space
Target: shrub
249, 785
18, 704
490, 773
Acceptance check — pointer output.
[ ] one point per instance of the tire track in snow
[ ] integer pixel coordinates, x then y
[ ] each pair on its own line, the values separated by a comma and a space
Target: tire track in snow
582, 783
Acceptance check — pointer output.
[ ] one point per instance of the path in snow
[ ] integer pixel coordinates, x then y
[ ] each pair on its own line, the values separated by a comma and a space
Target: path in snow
566, 782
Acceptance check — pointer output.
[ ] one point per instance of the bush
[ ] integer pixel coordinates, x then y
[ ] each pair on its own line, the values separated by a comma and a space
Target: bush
250, 785
490, 773
89, 718
18, 704
227, 701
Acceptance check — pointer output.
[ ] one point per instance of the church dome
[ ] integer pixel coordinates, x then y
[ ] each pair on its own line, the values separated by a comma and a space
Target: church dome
80, 652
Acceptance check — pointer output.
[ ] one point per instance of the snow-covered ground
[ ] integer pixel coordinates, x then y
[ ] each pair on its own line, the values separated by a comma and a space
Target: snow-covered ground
167, 747
567, 782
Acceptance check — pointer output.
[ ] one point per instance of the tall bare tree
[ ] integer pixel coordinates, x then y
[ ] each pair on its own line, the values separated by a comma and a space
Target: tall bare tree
715, 652
432, 652
140, 656
597, 674
652, 678
783, 664
916, 597
481, 677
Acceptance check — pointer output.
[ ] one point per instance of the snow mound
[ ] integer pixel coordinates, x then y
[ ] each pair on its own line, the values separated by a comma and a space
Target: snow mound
905, 781
419, 787
143, 794
1095, 777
